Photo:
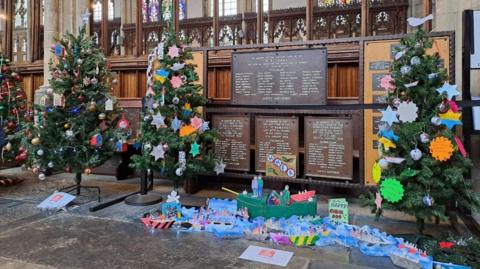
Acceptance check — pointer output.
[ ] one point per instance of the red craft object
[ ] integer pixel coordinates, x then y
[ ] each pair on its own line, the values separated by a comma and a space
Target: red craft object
302, 197
446, 244
157, 223
123, 123
22, 156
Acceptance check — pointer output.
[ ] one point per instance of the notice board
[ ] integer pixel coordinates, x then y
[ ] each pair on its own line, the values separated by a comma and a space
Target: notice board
378, 57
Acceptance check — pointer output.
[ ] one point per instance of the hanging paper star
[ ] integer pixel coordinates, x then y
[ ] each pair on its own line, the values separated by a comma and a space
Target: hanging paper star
176, 82
387, 143
173, 51
386, 82
451, 119
196, 122
451, 123
195, 149
219, 167
176, 124
389, 116
389, 134
407, 111
205, 126
186, 131
158, 120
177, 66
450, 90
158, 152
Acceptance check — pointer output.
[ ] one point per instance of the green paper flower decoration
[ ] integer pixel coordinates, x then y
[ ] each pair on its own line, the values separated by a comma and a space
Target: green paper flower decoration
392, 190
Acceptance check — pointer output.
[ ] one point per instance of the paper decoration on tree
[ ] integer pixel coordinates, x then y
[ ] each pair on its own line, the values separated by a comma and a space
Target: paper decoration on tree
186, 131
400, 54
123, 123
177, 66
96, 140
205, 126
386, 82
109, 105
441, 148
389, 134
176, 124
121, 146
158, 120
407, 173
460, 147
187, 110
410, 85
59, 50
450, 90
376, 172
414, 22
195, 149
173, 51
158, 152
58, 100
407, 111
219, 167
196, 122
453, 106
161, 75
389, 116
451, 119
176, 82
395, 160
391, 190
387, 143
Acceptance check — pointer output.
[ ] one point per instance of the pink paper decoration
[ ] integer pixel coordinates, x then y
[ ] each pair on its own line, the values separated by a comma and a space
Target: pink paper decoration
460, 146
196, 122
386, 82
453, 106
176, 82
173, 51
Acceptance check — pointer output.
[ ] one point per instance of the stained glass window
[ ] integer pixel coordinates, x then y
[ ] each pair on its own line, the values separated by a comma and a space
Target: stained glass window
151, 11
97, 10
20, 12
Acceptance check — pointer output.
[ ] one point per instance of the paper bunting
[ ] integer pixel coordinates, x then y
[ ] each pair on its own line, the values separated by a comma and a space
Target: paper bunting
414, 22
158, 152
450, 119
173, 51
460, 147
186, 131
441, 148
389, 116
407, 111
177, 66
392, 190
376, 172
450, 90
176, 82
219, 167
158, 120
387, 144
389, 134
386, 82
196, 122
195, 149
176, 124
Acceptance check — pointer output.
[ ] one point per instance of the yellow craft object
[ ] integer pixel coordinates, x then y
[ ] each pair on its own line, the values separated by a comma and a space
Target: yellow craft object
187, 130
187, 106
160, 79
301, 241
450, 115
376, 172
387, 143
441, 148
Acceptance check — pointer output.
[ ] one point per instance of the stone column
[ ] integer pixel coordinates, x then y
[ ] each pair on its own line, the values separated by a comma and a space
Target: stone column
51, 30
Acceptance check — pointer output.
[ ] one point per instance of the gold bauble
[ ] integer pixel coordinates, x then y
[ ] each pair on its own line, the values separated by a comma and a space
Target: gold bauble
36, 141
66, 126
8, 146
92, 107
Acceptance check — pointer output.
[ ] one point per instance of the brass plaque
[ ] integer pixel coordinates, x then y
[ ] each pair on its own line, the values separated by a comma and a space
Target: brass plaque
329, 147
275, 135
233, 144
293, 77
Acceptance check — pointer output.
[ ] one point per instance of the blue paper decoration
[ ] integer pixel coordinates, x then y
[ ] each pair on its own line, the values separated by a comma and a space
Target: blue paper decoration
390, 135
389, 116
451, 123
59, 50
187, 113
96, 140
450, 90
162, 73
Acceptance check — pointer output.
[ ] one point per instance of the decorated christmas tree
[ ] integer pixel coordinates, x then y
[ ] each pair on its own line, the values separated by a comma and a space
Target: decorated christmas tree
80, 126
174, 136
423, 162
13, 113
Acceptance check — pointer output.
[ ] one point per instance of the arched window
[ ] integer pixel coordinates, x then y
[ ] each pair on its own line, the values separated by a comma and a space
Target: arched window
225, 7
97, 10
151, 11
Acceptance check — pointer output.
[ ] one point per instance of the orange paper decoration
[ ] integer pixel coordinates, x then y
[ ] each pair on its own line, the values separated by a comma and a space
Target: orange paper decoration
441, 148
187, 130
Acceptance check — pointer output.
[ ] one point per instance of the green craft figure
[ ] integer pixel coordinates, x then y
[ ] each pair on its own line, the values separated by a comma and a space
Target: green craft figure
260, 186
285, 197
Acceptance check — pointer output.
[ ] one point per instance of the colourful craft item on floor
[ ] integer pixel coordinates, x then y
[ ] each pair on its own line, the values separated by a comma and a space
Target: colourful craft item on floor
187, 130
387, 143
258, 207
280, 239
302, 241
302, 196
150, 222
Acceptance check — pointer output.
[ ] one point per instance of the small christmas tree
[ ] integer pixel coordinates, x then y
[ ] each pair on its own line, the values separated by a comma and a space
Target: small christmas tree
80, 124
423, 163
13, 113
173, 134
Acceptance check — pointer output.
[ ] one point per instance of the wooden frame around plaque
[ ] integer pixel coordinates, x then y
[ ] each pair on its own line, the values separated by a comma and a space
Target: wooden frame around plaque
268, 142
329, 147
287, 77
233, 145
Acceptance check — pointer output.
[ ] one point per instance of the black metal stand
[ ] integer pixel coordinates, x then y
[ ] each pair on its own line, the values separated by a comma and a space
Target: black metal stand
144, 198
77, 187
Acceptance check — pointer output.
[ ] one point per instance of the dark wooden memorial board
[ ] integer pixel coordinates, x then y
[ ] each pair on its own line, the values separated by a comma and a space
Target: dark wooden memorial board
293, 77
275, 135
329, 147
233, 145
